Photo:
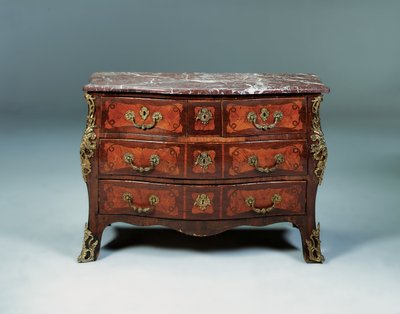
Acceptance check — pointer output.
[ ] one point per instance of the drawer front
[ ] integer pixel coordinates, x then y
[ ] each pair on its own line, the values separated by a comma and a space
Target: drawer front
144, 199
265, 159
202, 202
143, 116
204, 117
264, 199
264, 116
149, 159
159, 200
204, 161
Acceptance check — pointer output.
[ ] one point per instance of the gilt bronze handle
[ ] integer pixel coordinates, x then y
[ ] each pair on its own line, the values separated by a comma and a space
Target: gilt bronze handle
253, 161
251, 202
144, 113
153, 200
264, 114
154, 161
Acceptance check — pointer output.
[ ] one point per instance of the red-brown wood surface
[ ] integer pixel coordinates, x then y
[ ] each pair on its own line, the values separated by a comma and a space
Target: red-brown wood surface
181, 202
169, 205
193, 208
204, 161
115, 109
201, 161
237, 123
292, 202
171, 158
211, 125
294, 154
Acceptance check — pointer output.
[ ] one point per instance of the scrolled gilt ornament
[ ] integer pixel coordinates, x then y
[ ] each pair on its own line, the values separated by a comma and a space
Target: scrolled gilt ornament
319, 150
88, 143
314, 247
89, 246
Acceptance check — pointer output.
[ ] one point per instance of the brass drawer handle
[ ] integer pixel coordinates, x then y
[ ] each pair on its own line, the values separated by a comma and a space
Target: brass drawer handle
154, 161
153, 200
204, 115
253, 161
252, 117
144, 113
251, 202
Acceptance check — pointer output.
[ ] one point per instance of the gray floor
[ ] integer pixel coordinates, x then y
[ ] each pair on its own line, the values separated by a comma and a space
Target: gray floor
43, 207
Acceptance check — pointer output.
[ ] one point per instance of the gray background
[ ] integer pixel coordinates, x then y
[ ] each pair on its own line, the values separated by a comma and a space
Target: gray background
49, 49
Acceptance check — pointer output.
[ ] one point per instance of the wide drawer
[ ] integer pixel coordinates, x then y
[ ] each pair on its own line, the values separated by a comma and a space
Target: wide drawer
141, 158
143, 116
265, 159
264, 199
264, 116
196, 202
138, 198
159, 200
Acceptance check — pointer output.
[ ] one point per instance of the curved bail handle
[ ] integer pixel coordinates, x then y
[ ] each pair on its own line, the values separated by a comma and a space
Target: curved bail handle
144, 113
153, 200
253, 161
251, 202
252, 117
154, 161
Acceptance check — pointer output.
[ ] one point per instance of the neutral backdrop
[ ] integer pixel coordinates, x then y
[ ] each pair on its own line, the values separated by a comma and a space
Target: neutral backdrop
48, 49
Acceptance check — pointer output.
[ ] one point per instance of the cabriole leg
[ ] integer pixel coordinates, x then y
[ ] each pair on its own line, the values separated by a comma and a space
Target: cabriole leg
90, 245
310, 237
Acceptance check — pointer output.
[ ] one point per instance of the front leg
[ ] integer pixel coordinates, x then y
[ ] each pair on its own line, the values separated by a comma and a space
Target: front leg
310, 238
90, 245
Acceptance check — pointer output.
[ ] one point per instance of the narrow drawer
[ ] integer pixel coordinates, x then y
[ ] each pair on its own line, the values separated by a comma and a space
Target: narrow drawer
202, 202
265, 159
144, 199
140, 158
204, 161
264, 116
264, 199
143, 116
204, 117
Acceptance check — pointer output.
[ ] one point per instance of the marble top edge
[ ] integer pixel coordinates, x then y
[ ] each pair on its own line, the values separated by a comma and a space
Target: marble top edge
202, 83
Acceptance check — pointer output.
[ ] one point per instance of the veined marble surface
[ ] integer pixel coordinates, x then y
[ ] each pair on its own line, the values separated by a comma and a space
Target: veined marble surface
197, 83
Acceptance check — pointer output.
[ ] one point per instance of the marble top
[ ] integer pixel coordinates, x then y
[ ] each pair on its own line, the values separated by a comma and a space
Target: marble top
197, 83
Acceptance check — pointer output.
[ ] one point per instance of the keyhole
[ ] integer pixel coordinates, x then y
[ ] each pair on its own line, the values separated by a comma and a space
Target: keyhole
264, 114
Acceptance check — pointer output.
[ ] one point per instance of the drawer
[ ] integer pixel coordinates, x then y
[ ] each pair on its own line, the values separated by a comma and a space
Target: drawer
204, 161
201, 202
264, 199
140, 158
159, 200
265, 159
204, 117
144, 199
264, 116
143, 116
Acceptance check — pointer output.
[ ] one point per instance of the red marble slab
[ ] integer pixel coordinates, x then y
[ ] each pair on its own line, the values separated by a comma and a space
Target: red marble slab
197, 83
